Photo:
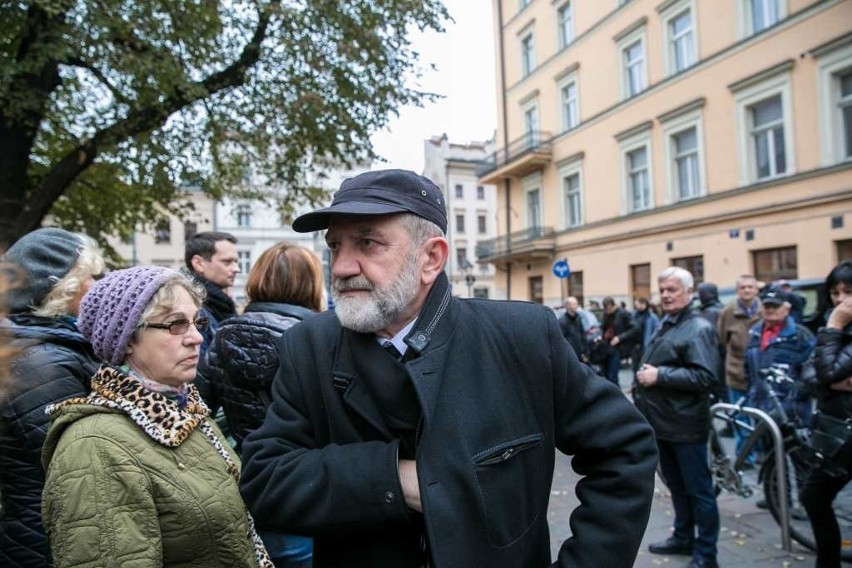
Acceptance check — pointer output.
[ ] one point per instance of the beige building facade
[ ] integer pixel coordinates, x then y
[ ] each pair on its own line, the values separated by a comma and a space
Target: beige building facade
632, 136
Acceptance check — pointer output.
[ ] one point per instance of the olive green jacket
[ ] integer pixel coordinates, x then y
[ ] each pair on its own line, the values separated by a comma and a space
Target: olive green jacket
115, 497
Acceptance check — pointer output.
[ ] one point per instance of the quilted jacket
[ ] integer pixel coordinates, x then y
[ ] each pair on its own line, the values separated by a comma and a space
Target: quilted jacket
242, 361
832, 362
116, 495
55, 363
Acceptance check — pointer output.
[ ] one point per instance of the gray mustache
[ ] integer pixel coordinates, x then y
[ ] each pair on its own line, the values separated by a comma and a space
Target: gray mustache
354, 283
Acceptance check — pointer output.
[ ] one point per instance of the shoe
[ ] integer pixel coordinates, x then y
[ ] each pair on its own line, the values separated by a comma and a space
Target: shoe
762, 504
671, 546
726, 431
701, 562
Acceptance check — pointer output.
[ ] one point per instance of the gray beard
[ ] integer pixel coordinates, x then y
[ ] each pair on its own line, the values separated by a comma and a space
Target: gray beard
382, 305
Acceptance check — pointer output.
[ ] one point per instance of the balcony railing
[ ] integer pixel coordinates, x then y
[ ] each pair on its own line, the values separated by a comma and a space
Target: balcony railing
534, 141
531, 242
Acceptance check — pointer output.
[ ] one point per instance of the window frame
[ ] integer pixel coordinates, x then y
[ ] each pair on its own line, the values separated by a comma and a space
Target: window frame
527, 53
672, 128
243, 215
745, 18
244, 260
460, 222
639, 35
572, 169
831, 65
626, 147
565, 34
564, 111
533, 183
670, 14
746, 98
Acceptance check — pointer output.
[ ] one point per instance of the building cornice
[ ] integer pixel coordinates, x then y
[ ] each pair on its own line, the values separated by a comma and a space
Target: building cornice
683, 109
762, 75
630, 29
634, 130
567, 71
831, 45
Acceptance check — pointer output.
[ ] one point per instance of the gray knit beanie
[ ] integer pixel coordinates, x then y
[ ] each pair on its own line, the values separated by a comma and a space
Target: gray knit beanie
45, 256
111, 309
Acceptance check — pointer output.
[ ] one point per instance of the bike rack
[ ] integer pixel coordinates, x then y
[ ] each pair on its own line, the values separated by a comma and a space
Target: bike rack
777, 440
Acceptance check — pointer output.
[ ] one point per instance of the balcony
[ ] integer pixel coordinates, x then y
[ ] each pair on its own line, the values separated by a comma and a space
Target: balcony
530, 245
529, 153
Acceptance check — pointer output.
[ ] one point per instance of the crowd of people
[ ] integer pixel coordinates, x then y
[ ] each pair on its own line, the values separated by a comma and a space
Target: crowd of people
401, 428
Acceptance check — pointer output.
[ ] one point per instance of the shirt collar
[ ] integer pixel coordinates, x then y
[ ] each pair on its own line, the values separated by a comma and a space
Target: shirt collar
398, 340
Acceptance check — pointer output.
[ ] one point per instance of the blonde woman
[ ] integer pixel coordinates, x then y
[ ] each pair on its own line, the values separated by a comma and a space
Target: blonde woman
53, 269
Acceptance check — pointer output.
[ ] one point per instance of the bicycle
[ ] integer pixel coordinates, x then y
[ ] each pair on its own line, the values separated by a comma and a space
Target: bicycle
799, 459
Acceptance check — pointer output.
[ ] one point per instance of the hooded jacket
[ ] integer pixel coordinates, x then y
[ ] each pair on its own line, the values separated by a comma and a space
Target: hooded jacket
55, 363
499, 389
134, 480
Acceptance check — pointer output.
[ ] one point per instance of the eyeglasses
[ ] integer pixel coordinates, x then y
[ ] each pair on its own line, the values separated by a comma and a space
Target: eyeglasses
181, 326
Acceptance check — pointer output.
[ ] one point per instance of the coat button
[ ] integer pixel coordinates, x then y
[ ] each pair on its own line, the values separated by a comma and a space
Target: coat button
389, 497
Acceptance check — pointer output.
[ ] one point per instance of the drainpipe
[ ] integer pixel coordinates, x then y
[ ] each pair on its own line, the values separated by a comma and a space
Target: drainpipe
507, 184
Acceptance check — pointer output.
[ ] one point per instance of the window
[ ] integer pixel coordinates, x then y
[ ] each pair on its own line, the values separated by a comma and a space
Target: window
481, 224
570, 112
536, 284
774, 264
765, 125
460, 222
481, 293
534, 208
844, 250
243, 215
572, 194
480, 193
531, 126
523, 4
640, 280
244, 261
767, 137
636, 175
163, 232
527, 54
835, 100
461, 258
633, 65
189, 230
575, 285
685, 146
694, 264
639, 186
754, 16
680, 40
459, 191
565, 19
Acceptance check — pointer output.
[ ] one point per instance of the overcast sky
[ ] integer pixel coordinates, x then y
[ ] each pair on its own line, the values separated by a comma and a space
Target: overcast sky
464, 57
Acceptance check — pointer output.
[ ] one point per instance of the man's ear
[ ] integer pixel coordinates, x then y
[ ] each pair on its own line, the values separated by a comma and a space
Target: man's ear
197, 262
436, 251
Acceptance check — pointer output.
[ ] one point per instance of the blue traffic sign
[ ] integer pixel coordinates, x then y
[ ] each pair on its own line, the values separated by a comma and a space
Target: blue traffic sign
561, 269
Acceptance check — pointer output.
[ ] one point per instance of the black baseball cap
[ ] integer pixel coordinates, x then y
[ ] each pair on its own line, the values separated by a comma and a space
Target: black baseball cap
774, 297
380, 192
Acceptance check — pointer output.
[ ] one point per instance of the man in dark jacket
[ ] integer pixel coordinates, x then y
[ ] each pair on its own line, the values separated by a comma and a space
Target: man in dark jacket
577, 328
709, 308
212, 258
406, 429
54, 363
619, 332
672, 390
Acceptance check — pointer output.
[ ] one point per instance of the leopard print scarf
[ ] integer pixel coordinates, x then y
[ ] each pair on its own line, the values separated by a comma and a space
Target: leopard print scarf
163, 421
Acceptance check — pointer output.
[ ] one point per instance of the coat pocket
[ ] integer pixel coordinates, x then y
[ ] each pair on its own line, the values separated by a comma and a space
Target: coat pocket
510, 476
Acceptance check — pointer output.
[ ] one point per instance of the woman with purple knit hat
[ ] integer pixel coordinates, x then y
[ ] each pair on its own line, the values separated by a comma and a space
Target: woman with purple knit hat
137, 473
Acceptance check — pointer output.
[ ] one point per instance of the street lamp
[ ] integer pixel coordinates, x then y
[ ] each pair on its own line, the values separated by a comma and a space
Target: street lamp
469, 278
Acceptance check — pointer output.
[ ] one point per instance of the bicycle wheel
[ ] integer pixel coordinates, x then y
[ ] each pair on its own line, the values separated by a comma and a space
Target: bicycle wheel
798, 463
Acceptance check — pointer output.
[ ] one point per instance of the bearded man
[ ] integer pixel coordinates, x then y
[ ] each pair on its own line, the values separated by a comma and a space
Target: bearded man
411, 428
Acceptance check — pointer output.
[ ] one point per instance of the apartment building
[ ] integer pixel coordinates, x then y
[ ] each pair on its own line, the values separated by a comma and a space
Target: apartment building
635, 135
471, 209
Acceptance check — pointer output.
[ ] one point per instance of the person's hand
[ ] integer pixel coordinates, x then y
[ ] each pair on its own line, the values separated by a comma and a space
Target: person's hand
647, 375
844, 385
614, 341
410, 484
841, 315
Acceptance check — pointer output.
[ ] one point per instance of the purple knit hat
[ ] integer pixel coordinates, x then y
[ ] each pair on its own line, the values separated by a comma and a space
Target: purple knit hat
111, 309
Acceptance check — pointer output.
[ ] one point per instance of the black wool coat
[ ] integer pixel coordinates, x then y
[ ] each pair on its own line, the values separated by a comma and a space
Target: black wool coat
500, 390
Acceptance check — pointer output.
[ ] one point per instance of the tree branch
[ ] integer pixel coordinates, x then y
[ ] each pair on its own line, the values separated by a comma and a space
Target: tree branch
78, 62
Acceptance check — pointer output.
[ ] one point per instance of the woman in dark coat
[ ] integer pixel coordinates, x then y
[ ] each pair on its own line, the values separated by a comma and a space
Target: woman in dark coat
54, 362
284, 287
832, 363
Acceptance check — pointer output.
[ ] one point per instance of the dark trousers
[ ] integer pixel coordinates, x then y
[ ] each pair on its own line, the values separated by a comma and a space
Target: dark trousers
687, 474
613, 364
817, 496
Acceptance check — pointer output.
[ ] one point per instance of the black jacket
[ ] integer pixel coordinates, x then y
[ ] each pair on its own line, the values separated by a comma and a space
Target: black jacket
832, 362
499, 389
624, 327
242, 361
686, 352
55, 363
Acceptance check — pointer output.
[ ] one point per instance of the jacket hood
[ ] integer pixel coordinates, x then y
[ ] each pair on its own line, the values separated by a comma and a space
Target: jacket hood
45, 330
708, 293
62, 420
